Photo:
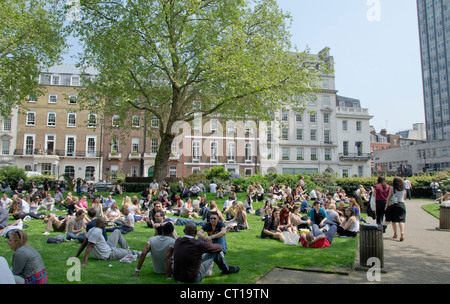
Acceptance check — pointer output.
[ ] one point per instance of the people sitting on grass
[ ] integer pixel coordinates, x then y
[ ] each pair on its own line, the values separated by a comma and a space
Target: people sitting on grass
350, 224
272, 227
101, 249
161, 248
27, 263
125, 223
76, 227
214, 231
239, 221
58, 223
188, 211
318, 214
112, 214
318, 238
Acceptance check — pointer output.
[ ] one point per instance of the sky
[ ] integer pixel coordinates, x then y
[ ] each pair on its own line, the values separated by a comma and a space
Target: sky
375, 45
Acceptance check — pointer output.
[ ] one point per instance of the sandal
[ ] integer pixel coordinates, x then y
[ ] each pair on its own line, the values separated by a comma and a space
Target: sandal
395, 236
402, 237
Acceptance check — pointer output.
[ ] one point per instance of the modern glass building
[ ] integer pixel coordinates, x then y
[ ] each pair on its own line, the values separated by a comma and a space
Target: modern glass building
434, 33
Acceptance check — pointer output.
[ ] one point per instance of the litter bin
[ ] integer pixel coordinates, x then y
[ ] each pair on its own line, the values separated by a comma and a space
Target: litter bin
371, 244
444, 217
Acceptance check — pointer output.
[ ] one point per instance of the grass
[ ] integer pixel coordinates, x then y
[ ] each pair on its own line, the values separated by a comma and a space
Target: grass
432, 209
254, 256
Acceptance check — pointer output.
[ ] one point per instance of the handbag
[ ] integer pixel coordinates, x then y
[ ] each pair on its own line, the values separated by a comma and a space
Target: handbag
393, 200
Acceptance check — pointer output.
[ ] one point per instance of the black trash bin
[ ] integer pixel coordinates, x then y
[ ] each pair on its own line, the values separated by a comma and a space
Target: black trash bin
371, 244
444, 217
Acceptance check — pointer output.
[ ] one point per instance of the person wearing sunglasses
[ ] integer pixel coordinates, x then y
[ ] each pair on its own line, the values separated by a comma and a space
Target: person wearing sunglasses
214, 231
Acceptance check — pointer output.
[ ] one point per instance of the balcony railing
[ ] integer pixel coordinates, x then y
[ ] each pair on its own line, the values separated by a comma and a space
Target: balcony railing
354, 156
61, 153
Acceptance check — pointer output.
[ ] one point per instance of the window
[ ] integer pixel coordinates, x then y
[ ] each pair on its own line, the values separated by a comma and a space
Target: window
49, 143
173, 171
359, 146
196, 151
313, 154
92, 121
136, 121
71, 120
284, 116
73, 99
269, 135
29, 144
299, 134
90, 146
90, 173
55, 80
114, 145
7, 125
326, 118
231, 152
249, 127
312, 117
114, 170
70, 171
31, 118
345, 148
248, 152
285, 153
135, 144
5, 147
214, 148
231, 126
327, 154
174, 148
70, 145
115, 120
51, 119
285, 134
134, 171
32, 98
214, 125
326, 100
327, 136
46, 168
344, 172
360, 171
344, 125
300, 154
154, 145
270, 153
75, 81
298, 117
313, 134
154, 122
358, 126
52, 98
248, 172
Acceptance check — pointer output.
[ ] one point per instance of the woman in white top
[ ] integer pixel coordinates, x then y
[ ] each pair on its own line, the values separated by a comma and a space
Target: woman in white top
5, 201
396, 210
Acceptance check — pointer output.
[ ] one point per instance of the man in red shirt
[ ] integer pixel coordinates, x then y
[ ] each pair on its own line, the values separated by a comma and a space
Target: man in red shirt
317, 238
189, 264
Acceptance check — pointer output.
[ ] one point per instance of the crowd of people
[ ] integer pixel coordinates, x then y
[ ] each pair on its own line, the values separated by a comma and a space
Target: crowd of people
315, 217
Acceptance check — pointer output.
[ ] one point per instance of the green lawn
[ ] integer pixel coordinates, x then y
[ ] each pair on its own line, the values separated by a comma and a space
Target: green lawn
255, 256
432, 209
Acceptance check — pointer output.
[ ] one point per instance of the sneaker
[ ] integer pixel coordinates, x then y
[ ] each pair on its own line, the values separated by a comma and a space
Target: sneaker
27, 218
46, 233
210, 270
231, 269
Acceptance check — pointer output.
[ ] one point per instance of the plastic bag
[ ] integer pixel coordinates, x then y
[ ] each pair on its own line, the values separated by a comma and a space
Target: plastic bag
129, 258
291, 238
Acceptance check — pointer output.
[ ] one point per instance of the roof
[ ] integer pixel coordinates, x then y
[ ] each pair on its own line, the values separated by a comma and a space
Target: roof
68, 68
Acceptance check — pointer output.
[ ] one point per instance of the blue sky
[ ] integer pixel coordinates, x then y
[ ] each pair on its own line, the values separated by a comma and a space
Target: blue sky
377, 62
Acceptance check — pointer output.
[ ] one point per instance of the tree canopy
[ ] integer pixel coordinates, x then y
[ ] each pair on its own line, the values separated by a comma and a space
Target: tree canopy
173, 58
31, 39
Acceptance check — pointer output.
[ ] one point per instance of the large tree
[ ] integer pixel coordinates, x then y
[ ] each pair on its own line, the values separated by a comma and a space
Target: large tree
31, 39
164, 58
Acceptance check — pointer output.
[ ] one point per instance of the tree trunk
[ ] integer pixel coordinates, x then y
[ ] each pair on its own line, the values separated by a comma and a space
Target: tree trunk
162, 157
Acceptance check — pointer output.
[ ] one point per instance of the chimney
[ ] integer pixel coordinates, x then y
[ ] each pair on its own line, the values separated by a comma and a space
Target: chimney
383, 132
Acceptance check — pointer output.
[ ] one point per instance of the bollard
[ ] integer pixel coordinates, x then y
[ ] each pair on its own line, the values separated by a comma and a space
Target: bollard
371, 245
444, 217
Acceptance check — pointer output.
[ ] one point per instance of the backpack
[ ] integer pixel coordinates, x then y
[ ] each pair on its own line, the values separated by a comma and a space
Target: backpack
56, 239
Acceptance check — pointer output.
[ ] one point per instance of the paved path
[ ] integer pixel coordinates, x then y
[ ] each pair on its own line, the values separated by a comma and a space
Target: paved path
423, 257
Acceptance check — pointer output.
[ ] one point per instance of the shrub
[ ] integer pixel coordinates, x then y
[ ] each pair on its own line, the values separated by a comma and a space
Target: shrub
12, 175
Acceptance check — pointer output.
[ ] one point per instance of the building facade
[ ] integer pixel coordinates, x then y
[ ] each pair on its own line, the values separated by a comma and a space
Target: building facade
8, 138
434, 33
53, 136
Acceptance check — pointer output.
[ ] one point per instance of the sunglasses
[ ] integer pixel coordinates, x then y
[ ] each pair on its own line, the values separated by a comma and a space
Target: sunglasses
213, 218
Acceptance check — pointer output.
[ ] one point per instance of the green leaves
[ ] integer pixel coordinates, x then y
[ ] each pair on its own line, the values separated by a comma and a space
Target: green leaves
31, 38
